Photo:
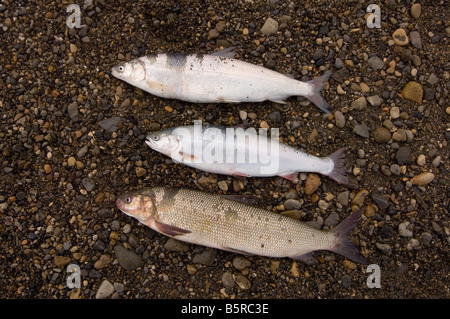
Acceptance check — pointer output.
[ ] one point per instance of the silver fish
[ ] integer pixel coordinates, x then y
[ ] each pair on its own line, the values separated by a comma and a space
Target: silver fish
214, 221
215, 78
242, 153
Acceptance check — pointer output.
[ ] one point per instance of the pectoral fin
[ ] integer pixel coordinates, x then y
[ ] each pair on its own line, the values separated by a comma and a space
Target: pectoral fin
293, 177
170, 230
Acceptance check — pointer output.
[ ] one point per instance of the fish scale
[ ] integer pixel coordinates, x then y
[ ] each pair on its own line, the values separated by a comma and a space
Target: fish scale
214, 221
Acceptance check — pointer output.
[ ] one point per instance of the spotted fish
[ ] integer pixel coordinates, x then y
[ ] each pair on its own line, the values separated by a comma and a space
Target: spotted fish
215, 78
218, 222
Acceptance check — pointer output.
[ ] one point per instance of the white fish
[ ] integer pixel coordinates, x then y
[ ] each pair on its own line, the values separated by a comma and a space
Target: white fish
215, 78
242, 153
218, 222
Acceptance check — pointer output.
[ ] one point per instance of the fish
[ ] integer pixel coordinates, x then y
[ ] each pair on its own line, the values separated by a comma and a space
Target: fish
242, 153
215, 78
214, 221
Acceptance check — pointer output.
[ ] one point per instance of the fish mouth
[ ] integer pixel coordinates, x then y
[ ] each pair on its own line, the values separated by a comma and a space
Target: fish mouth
119, 203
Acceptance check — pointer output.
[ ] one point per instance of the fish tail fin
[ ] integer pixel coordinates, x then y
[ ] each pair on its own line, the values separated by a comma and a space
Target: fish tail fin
339, 173
316, 87
343, 245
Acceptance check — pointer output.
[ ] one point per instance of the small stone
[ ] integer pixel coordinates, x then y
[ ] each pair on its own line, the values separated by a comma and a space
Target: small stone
176, 245
361, 130
72, 110
437, 161
47, 169
61, 261
394, 112
359, 103
102, 261
426, 238
395, 169
416, 41
433, 79
82, 151
111, 124
312, 184
360, 197
349, 264
105, 290
364, 87
332, 219
240, 262
227, 279
223, 185
374, 100
292, 204
73, 48
71, 161
140, 171
213, 34
403, 155
270, 27
381, 135
340, 119
403, 229
242, 282
128, 259
400, 37
384, 248
243, 115
413, 91
416, 10
376, 63
422, 179
206, 257
88, 184
421, 159
381, 200
343, 198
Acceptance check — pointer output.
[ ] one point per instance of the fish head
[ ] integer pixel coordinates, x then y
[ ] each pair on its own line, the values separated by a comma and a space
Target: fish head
137, 205
132, 72
163, 142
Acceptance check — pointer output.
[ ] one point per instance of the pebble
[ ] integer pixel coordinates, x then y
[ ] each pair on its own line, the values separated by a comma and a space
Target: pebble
332, 219
340, 119
413, 91
361, 130
381, 135
403, 229
128, 259
421, 160
176, 245
359, 103
88, 184
228, 280
343, 198
422, 179
105, 290
72, 110
291, 204
312, 184
416, 10
269, 27
243, 115
374, 100
394, 112
384, 248
242, 282
240, 262
206, 257
437, 161
416, 41
61, 261
376, 63
223, 185
403, 155
360, 197
111, 124
400, 37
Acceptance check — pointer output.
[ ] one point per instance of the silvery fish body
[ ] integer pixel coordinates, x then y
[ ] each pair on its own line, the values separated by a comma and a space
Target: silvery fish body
214, 221
242, 153
215, 78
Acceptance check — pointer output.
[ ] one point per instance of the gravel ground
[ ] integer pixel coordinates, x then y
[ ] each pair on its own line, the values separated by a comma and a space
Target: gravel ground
72, 141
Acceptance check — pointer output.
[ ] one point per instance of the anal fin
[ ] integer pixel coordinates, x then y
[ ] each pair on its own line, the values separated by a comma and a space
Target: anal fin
170, 230
307, 258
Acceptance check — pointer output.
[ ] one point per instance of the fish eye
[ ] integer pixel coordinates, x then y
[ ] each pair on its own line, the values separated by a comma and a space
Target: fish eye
128, 199
155, 137
121, 68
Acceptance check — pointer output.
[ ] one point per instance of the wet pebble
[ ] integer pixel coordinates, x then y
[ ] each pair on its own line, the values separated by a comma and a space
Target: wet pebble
403, 155
269, 27
400, 37
206, 257
360, 103
88, 184
312, 184
228, 280
416, 41
176, 245
416, 10
340, 119
240, 262
376, 63
361, 130
111, 124
422, 179
242, 282
128, 259
381, 135
105, 290
404, 229
413, 91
